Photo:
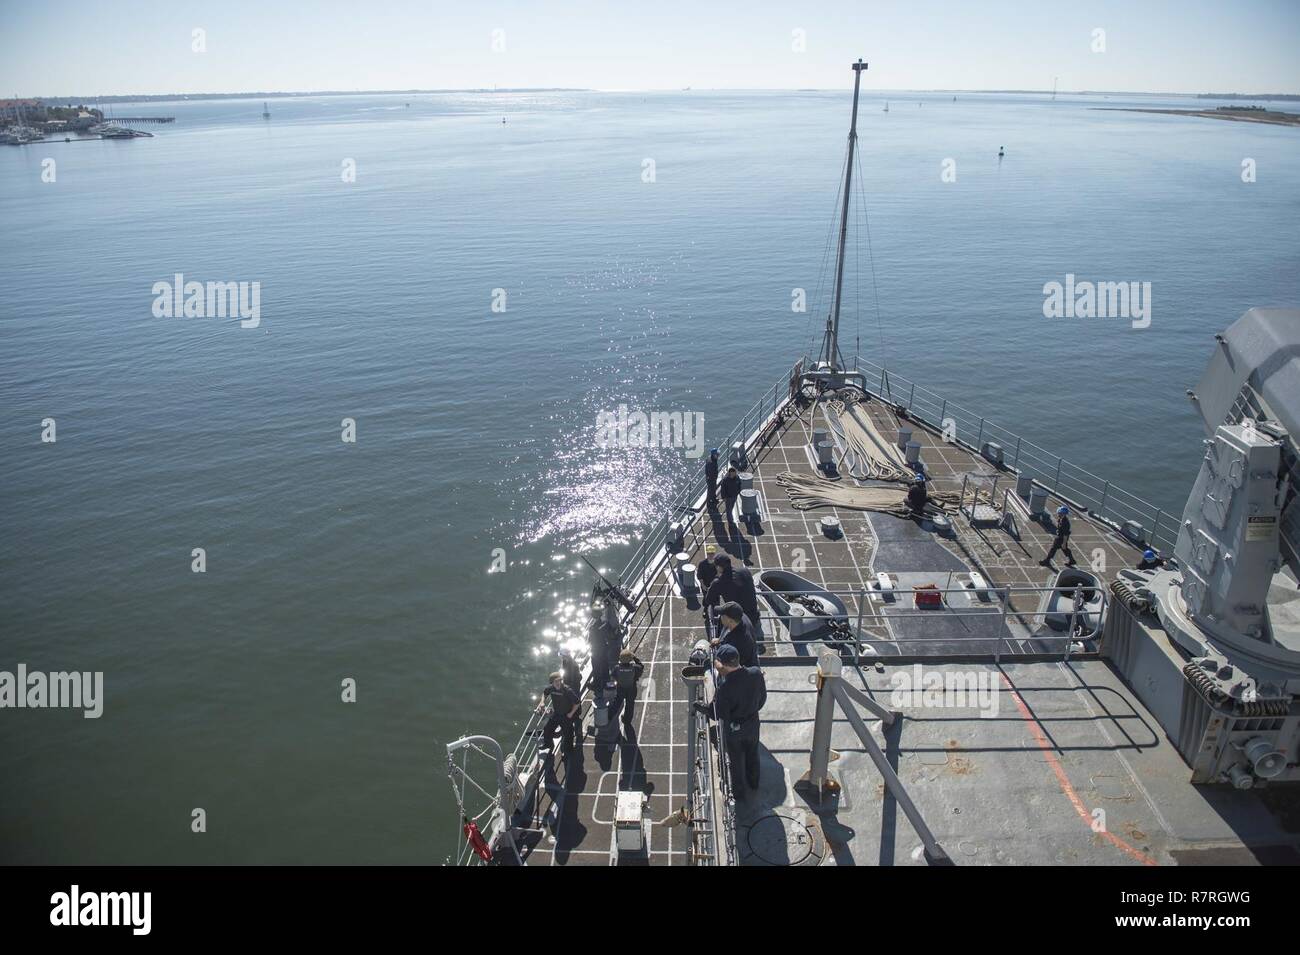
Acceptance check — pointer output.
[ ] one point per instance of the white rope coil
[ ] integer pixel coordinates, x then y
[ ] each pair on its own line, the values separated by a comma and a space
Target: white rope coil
876, 457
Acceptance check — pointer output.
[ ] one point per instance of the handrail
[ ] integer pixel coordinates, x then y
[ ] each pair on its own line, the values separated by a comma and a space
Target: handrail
711, 805
991, 588
693, 487
1101, 498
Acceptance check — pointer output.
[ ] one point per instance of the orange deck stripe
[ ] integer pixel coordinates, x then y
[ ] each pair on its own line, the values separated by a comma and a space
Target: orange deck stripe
1041, 739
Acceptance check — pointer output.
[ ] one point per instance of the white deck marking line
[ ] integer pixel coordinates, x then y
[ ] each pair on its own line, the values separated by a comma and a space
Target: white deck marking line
610, 772
807, 536
658, 626
758, 482
599, 852
664, 615
665, 621
600, 783
848, 545
809, 531
671, 739
640, 701
790, 517
600, 794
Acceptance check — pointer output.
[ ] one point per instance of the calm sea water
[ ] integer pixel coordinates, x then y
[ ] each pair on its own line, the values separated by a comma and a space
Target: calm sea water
369, 561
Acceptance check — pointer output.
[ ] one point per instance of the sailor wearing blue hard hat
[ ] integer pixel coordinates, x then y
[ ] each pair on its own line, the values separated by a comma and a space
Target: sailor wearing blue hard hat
1150, 560
1061, 541
917, 495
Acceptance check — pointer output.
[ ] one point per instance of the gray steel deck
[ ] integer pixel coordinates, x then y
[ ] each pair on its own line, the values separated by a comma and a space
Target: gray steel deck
1069, 769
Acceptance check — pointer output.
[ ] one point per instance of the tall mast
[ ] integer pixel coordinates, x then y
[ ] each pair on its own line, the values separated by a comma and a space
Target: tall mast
832, 339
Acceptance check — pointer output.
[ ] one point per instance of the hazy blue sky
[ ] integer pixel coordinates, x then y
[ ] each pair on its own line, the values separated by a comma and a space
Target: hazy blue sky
58, 47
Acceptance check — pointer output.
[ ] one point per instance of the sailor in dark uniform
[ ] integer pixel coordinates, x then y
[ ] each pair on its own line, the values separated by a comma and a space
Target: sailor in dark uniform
1150, 560
738, 632
711, 479
572, 672
740, 696
737, 585
747, 597
1062, 540
722, 590
707, 572
603, 641
730, 490
626, 673
566, 714
917, 496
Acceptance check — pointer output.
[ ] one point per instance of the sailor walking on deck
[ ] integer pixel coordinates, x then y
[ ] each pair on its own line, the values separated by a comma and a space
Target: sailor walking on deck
627, 672
1062, 540
711, 479
737, 632
730, 490
740, 697
566, 714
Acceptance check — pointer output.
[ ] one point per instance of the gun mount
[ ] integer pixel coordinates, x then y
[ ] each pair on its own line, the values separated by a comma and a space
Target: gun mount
1230, 607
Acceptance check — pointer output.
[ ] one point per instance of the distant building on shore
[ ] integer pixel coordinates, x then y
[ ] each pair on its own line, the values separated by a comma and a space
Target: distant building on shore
22, 111
34, 113
76, 117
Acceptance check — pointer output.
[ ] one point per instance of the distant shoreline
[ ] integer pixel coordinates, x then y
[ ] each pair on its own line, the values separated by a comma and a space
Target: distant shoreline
1267, 117
178, 97
290, 94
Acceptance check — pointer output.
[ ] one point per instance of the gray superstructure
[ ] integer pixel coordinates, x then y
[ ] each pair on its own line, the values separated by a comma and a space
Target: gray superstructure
1227, 618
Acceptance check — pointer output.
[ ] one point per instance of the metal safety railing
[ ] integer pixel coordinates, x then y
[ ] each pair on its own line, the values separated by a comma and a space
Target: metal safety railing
498, 811
693, 488
1081, 619
651, 554
1101, 499
1069, 481
709, 801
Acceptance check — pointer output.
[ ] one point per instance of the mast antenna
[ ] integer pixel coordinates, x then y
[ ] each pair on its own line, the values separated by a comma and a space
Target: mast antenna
831, 346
